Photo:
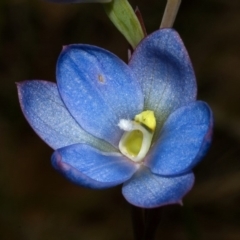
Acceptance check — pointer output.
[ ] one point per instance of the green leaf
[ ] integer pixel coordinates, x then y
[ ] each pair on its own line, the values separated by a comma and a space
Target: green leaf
123, 17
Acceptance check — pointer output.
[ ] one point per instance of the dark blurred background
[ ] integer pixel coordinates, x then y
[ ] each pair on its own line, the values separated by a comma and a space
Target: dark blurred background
36, 203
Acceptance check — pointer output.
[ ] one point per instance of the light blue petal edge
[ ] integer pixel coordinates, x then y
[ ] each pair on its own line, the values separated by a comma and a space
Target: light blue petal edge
184, 140
48, 116
164, 70
148, 190
99, 90
91, 168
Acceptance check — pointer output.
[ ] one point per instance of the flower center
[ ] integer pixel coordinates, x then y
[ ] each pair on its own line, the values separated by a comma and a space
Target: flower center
137, 138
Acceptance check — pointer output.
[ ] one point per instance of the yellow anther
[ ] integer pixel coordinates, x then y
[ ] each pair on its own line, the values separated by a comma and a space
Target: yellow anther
147, 118
137, 138
133, 142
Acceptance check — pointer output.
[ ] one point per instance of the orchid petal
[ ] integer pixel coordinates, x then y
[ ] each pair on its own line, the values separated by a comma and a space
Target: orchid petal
164, 71
48, 116
184, 139
148, 190
88, 167
98, 90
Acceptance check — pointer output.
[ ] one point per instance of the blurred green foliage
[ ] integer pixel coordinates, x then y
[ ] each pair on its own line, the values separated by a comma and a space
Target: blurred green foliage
36, 203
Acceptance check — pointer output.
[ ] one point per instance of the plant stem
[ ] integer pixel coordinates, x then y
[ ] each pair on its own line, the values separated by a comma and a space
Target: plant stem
170, 13
145, 222
137, 223
152, 220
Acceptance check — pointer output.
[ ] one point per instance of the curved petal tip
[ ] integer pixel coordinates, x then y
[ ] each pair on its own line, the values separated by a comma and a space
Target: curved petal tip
148, 190
89, 167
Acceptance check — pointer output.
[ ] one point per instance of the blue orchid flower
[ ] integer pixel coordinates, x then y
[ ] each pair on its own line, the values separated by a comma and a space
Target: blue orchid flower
112, 123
